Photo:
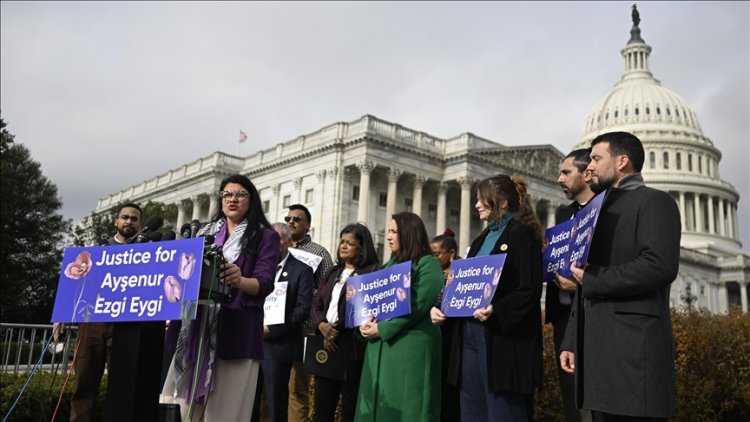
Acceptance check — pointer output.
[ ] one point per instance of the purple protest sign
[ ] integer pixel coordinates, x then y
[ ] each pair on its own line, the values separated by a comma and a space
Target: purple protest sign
556, 257
471, 284
137, 282
382, 294
580, 238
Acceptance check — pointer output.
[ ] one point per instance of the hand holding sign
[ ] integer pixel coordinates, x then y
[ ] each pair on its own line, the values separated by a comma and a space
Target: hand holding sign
369, 329
483, 314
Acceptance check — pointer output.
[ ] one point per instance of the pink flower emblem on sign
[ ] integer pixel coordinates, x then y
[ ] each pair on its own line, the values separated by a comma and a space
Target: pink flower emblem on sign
172, 289
187, 266
80, 267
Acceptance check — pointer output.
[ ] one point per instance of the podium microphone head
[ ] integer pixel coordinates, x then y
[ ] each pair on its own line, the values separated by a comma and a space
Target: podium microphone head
152, 224
169, 235
185, 231
195, 225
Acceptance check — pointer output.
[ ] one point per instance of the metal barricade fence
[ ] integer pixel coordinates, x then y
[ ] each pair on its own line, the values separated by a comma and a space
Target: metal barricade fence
23, 343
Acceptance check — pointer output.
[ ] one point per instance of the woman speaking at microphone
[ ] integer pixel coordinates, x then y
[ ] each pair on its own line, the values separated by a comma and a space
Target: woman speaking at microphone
401, 373
225, 375
496, 356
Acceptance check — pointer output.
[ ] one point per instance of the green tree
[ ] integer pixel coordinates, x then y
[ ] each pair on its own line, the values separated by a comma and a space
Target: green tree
32, 237
98, 227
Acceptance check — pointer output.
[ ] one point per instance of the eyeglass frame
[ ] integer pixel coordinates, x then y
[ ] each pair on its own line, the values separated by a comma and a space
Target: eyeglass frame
294, 218
239, 194
133, 218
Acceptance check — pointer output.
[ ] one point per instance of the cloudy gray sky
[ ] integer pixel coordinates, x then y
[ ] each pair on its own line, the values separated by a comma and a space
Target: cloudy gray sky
106, 95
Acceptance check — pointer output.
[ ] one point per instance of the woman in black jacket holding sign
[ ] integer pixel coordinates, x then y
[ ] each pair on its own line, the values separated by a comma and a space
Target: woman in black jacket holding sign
333, 342
496, 356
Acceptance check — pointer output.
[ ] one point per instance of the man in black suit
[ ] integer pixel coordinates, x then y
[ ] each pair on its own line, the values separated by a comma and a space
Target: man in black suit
619, 341
574, 181
283, 343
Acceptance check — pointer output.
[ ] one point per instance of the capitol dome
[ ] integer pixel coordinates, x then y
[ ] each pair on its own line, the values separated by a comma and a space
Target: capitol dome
680, 159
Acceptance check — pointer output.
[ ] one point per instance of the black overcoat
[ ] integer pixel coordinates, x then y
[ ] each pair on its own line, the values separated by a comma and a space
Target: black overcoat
620, 328
513, 333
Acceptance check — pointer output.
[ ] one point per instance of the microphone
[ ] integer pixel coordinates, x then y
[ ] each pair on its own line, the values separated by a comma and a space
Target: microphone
154, 236
152, 224
185, 231
169, 235
195, 225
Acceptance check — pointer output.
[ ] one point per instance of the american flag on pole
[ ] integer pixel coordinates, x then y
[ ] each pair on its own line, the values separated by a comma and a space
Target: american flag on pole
243, 137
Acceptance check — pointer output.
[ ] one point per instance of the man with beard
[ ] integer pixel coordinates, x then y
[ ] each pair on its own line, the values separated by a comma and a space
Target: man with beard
574, 181
619, 341
94, 346
299, 220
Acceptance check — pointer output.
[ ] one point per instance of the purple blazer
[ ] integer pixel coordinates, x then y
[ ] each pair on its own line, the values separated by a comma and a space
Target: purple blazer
241, 321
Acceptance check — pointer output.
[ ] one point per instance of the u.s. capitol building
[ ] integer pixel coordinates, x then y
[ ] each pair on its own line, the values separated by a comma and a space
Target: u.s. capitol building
369, 168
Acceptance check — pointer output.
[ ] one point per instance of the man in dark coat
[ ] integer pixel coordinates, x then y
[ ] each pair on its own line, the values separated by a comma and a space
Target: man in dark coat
574, 181
283, 344
619, 341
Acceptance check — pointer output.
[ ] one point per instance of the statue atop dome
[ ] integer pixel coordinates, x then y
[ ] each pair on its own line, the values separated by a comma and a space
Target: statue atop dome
635, 31
636, 15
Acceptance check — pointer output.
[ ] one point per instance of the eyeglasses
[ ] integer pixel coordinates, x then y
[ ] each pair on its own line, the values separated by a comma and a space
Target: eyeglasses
293, 218
132, 218
239, 194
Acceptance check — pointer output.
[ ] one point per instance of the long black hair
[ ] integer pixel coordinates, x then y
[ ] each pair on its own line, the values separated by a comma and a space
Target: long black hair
369, 255
412, 237
256, 219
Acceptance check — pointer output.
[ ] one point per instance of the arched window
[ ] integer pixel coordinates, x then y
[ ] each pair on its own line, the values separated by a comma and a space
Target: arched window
678, 161
666, 160
651, 160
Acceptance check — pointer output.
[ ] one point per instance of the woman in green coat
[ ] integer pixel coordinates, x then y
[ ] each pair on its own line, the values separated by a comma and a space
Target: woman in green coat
401, 373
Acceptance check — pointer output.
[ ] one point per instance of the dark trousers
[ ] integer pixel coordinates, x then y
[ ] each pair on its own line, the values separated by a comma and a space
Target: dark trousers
276, 383
478, 403
327, 394
94, 351
449, 404
567, 381
608, 417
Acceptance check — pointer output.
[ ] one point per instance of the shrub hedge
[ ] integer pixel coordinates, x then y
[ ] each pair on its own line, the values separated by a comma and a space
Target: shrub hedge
712, 367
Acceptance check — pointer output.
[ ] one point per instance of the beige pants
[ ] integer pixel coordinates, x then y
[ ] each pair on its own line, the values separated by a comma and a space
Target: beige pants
299, 394
233, 395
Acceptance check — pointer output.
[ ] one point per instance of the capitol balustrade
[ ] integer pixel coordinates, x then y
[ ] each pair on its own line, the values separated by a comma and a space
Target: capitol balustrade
209, 163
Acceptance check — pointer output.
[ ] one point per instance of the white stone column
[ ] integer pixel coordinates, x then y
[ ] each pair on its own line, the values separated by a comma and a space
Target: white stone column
722, 218
730, 210
273, 209
743, 296
551, 207
417, 202
365, 169
195, 215
390, 207
181, 214
682, 210
213, 204
320, 176
464, 231
710, 206
723, 299
333, 217
697, 213
442, 189
297, 199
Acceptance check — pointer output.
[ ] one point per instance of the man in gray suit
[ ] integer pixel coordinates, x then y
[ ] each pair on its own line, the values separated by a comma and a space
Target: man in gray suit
619, 340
